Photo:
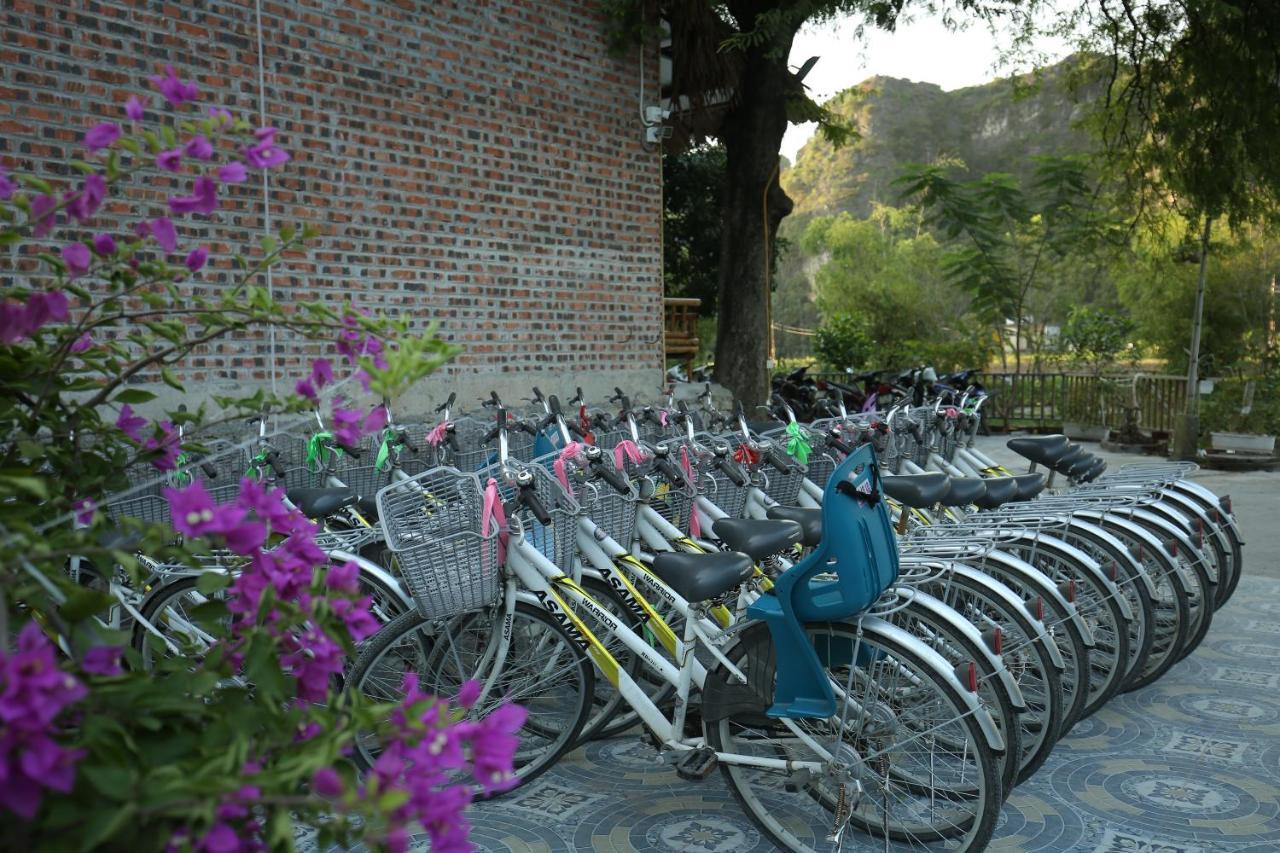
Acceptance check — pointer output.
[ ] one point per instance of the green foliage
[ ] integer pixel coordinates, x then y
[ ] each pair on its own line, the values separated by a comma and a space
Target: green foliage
692, 185
1096, 337
1225, 410
844, 341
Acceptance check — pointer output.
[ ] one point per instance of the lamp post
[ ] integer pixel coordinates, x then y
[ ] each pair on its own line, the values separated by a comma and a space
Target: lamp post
1186, 442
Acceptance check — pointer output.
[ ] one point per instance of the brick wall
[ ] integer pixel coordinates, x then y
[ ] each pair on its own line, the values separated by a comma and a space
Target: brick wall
476, 163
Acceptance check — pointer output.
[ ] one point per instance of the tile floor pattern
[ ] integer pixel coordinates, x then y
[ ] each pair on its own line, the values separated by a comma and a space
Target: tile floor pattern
1188, 765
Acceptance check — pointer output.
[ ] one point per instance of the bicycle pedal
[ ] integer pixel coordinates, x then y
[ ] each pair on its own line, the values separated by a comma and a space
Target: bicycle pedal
696, 764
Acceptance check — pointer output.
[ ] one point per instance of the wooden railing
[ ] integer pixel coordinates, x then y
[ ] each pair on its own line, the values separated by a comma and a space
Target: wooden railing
680, 329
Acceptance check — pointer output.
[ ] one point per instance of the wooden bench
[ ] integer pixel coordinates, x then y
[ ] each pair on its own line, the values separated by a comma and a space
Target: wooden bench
680, 330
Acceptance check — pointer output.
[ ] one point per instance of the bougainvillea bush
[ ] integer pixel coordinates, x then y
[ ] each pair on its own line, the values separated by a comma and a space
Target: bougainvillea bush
242, 745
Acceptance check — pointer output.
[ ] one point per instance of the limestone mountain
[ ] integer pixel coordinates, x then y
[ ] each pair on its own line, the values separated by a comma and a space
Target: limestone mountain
996, 127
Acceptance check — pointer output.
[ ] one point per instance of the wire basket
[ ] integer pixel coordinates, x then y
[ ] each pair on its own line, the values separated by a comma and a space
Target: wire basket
783, 487
723, 492
558, 542
609, 439
435, 525
221, 470
613, 512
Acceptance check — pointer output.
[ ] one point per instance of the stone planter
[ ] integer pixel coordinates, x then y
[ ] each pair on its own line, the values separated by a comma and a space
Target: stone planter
1240, 441
1077, 431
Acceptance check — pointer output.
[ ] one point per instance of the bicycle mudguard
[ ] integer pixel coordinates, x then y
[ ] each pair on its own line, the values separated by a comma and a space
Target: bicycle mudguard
859, 548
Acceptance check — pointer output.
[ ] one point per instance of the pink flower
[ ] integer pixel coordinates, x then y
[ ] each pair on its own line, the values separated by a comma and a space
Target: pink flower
170, 161
233, 173
104, 244
264, 154
84, 510
196, 258
199, 148
345, 577
327, 783
101, 136
134, 108
7, 186
204, 198
82, 343
43, 215
102, 660
77, 258
174, 90
192, 510
164, 232
129, 424
304, 388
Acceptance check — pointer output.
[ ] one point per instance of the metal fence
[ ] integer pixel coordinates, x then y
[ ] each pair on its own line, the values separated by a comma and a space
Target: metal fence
1047, 400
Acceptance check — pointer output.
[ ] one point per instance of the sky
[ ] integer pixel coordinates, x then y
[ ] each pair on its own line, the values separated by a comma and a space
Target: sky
923, 50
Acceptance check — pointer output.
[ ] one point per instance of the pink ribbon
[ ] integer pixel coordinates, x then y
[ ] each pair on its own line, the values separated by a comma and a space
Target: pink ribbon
695, 529
437, 434
571, 451
662, 417
951, 412
627, 451
493, 510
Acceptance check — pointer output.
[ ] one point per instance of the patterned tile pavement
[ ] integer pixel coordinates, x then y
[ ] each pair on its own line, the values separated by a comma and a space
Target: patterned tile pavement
1188, 765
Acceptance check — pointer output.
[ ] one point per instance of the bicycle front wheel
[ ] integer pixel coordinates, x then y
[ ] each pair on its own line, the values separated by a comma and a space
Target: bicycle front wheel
908, 762
542, 669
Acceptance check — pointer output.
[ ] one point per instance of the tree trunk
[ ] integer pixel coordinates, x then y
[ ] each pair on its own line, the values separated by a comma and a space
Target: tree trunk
752, 207
1188, 436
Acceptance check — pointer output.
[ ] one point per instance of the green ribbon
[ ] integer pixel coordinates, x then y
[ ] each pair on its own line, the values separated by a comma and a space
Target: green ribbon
318, 451
383, 461
798, 443
180, 476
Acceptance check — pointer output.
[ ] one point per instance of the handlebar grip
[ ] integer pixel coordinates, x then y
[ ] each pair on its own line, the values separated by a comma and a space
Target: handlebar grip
453, 397
277, 467
839, 444
537, 394
209, 471
673, 472
451, 439
553, 403
779, 461
403, 438
529, 498
611, 475
353, 452
573, 428
732, 471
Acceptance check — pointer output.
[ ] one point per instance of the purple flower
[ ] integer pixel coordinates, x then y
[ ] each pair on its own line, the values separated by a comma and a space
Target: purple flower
102, 660
269, 506
84, 204
77, 258
199, 148
134, 108
321, 372
44, 307
356, 616
196, 258
315, 663
43, 214
164, 232
204, 198
327, 783
469, 693
130, 424
304, 388
264, 154
345, 577
233, 173
170, 161
191, 509
82, 343
101, 136
222, 116
33, 692
346, 426
84, 510
7, 187
174, 90
220, 839
167, 445
104, 244
241, 537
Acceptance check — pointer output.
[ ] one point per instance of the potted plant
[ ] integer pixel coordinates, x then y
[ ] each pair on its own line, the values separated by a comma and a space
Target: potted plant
1242, 415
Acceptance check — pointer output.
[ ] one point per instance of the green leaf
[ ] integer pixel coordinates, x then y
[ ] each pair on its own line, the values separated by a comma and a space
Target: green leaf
133, 395
22, 483
82, 167
37, 184
269, 244
211, 582
392, 799
170, 379
83, 603
114, 782
104, 824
